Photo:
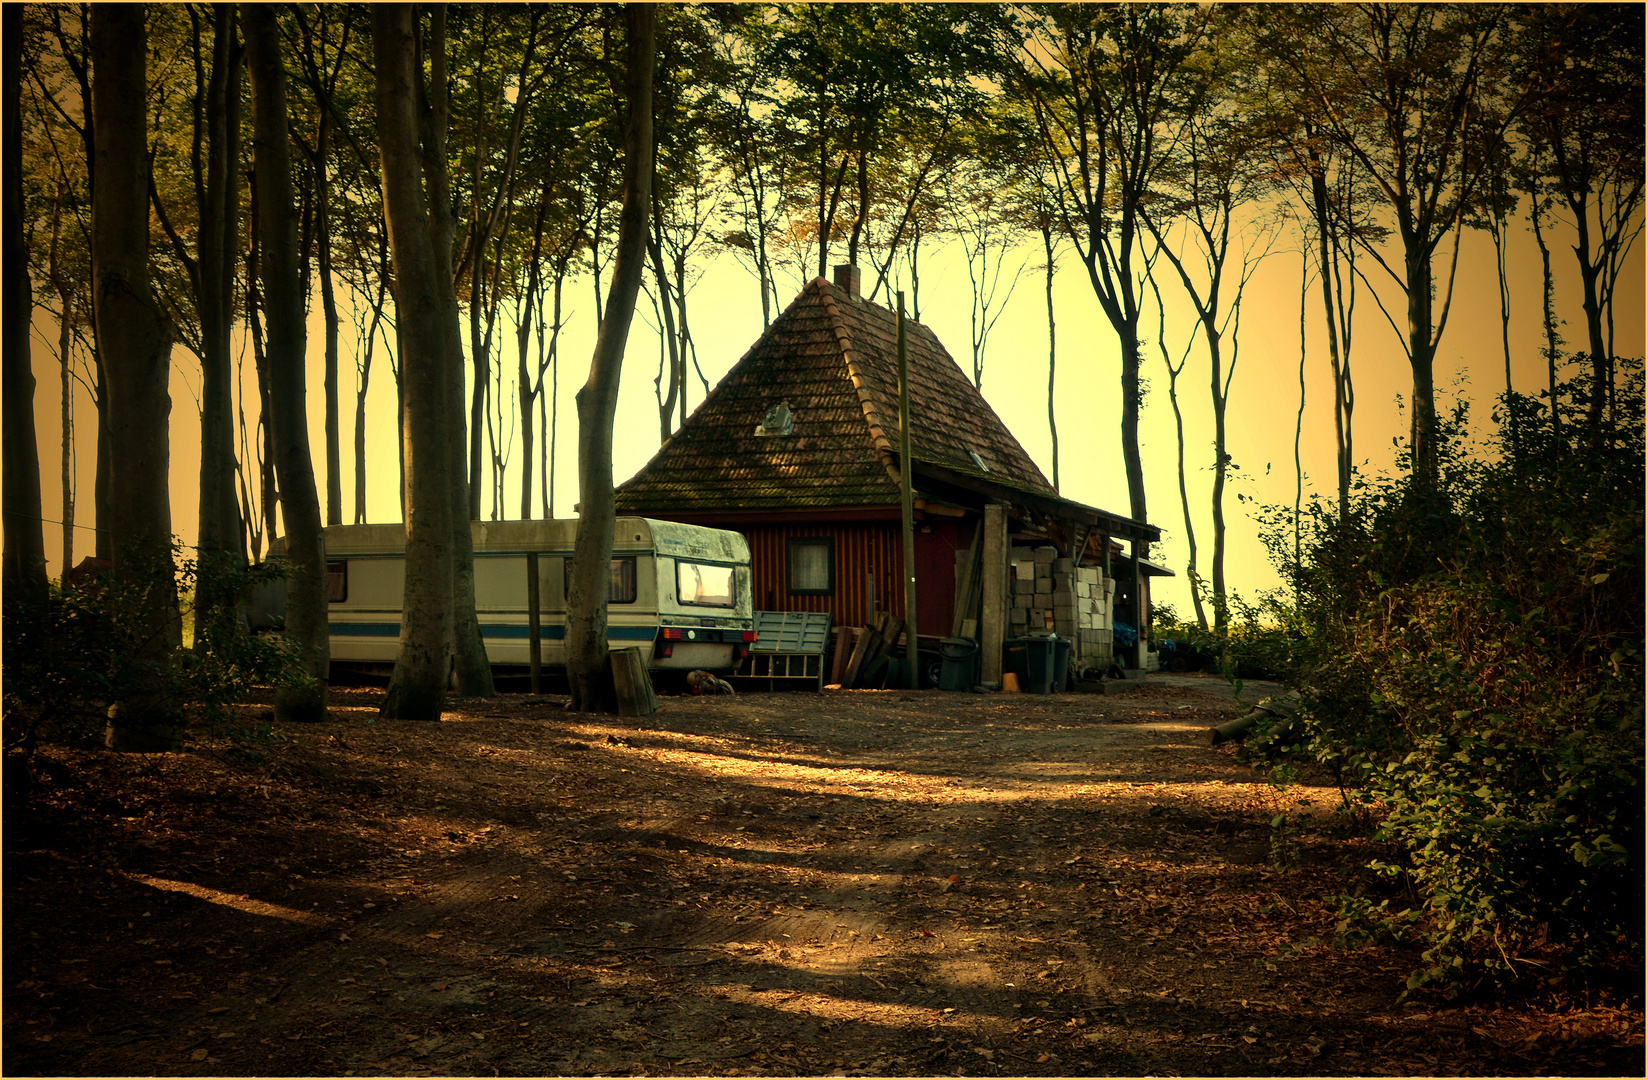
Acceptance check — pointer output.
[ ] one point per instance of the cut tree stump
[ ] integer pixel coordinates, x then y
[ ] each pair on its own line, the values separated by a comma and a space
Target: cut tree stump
633, 682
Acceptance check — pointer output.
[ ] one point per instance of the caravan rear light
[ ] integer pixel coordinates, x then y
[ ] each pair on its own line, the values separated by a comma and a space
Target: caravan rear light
672, 633
749, 635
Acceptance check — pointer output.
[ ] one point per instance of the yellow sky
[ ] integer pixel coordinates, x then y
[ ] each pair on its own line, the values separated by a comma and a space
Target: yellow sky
726, 317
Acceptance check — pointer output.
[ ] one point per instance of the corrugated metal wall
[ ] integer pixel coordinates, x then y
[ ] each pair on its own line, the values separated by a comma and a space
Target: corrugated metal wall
864, 552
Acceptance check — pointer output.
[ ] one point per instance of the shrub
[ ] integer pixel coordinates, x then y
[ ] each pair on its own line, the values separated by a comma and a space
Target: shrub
1476, 676
62, 676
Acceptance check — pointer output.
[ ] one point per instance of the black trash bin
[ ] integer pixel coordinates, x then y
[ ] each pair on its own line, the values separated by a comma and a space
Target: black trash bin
1061, 664
960, 663
1031, 659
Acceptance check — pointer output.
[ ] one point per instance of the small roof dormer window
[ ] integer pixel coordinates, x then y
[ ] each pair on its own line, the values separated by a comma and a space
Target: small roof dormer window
778, 421
977, 460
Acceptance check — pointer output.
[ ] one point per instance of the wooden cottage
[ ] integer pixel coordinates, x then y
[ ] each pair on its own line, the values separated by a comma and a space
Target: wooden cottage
797, 448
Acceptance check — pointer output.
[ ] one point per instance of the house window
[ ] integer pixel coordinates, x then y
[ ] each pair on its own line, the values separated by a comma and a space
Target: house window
337, 581
621, 582
812, 566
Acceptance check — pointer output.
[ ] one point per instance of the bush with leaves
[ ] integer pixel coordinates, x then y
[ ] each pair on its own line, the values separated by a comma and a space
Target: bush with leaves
1259, 642
61, 677
1476, 673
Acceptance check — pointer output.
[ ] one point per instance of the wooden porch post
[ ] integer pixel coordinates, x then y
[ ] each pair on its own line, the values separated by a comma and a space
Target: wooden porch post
993, 599
1138, 606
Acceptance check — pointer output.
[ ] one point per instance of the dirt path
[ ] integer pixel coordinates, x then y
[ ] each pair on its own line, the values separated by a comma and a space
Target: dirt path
853, 883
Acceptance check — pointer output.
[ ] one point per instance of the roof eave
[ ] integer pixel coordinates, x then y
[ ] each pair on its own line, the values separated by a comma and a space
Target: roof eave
1050, 504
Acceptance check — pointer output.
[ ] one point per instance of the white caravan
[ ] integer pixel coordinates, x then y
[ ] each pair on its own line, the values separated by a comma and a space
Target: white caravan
681, 592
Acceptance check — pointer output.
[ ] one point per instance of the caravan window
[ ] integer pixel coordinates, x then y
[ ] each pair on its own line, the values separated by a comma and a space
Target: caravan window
621, 587
337, 581
621, 582
704, 585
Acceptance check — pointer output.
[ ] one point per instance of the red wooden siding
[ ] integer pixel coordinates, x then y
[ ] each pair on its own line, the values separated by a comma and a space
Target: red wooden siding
864, 551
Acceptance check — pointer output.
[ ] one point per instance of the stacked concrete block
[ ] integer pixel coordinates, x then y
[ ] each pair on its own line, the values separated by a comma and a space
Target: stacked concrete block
1049, 592
1032, 588
1021, 583
1093, 595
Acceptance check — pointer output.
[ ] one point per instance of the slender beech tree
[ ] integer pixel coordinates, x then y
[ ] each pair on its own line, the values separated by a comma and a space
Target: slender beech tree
744, 138
1101, 82
135, 344
1539, 205
1415, 93
1193, 575
417, 689
67, 331
321, 60
470, 667
212, 274
78, 170
283, 303
588, 577
25, 539
1049, 267
1208, 185
981, 210
1586, 60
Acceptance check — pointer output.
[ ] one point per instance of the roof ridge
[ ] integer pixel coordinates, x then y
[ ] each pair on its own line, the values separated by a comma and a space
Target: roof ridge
878, 429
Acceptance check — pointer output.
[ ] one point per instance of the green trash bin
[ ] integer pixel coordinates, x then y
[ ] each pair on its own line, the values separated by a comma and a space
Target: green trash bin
960, 663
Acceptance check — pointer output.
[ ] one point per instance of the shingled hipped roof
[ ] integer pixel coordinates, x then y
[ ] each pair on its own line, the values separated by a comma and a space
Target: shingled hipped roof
832, 357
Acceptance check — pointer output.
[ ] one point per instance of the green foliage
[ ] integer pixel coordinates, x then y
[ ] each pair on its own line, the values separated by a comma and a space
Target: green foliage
61, 677
1261, 640
1473, 650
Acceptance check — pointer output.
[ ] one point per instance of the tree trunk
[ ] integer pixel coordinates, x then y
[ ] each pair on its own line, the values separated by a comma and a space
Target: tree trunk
135, 343
1052, 350
471, 669
25, 538
1221, 469
220, 531
525, 391
1422, 431
102, 512
417, 689
65, 343
1553, 343
587, 586
268, 490
1299, 425
363, 381
1589, 272
1327, 261
677, 369
1193, 578
283, 303
1132, 394
546, 455
329, 310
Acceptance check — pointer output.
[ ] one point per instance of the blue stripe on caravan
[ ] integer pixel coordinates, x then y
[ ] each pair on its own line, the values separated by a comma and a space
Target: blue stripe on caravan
356, 629
557, 632
547, 632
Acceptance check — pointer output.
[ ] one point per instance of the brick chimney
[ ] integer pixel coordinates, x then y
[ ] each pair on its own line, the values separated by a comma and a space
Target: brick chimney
846, 277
